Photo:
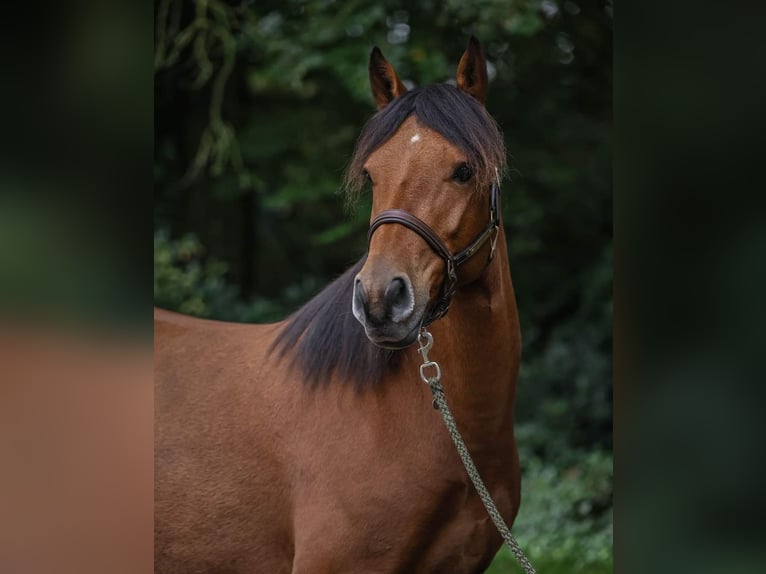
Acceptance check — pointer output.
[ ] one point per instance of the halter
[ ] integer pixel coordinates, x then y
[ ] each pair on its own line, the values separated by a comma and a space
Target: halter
452, 260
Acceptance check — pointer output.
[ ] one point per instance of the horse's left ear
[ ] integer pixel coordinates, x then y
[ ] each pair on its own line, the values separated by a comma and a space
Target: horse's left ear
385, 84
472, 71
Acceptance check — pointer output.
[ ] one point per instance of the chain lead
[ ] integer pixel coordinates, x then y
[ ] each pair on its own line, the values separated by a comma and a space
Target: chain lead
426, 341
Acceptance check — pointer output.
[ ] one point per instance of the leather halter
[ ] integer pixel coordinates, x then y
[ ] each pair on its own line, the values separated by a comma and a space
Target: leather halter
452, 260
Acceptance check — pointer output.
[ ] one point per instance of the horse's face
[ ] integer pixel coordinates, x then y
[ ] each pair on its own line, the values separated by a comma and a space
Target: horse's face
419, 171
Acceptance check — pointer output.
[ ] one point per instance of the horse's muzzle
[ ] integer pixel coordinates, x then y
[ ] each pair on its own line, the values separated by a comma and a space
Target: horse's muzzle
386, 310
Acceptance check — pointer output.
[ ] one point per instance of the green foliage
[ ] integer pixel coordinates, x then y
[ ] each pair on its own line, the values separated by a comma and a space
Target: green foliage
257, 109
184, 281
565, 521
188, 281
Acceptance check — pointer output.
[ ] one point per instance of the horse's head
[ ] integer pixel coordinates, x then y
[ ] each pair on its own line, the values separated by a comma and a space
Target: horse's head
435, 154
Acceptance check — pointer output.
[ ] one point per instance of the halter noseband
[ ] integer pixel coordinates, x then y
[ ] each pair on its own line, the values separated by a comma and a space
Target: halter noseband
452, 260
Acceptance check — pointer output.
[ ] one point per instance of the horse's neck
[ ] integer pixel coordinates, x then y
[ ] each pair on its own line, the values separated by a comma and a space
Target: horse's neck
478, 347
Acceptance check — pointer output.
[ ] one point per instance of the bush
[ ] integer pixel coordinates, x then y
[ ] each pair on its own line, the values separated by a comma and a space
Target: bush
187, 280
565, 520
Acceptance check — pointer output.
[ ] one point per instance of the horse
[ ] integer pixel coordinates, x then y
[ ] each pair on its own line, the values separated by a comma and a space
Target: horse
310, 445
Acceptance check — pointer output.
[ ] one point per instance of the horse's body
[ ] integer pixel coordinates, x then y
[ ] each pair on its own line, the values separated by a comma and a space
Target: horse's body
257, 471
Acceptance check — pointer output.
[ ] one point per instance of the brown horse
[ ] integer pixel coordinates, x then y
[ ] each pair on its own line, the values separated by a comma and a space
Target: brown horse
310, 445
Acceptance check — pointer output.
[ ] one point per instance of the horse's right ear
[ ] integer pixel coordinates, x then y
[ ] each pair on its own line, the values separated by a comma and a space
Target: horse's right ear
472, 71
384, 82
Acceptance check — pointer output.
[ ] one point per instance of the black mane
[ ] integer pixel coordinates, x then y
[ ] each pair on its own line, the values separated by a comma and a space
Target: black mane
329, 339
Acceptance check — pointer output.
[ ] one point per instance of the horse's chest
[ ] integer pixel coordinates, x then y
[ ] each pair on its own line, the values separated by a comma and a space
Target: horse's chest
392, 498
412, 529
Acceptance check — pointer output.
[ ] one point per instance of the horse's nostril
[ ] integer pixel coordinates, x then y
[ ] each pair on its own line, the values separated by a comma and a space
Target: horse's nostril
399, 300
395, 289
359, 302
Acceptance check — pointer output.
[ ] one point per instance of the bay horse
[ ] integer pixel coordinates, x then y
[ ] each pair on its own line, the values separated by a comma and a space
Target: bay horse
311, 445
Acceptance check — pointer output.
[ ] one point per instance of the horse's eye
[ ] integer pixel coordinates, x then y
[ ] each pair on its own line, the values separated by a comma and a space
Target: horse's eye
462, 173
367, 177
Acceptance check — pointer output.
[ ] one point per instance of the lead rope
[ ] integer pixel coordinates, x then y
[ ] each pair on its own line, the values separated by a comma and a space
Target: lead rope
426, 341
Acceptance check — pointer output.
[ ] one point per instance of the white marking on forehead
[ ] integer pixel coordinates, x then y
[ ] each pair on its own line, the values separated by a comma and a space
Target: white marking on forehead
415, 138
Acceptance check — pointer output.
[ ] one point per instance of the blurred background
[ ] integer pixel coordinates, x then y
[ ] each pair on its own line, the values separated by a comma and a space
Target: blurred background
257, 108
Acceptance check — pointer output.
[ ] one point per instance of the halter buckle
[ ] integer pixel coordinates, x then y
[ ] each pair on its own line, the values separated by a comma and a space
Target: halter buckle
493, 241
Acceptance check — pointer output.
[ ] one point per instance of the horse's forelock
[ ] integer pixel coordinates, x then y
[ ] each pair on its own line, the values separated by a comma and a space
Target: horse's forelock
459, 118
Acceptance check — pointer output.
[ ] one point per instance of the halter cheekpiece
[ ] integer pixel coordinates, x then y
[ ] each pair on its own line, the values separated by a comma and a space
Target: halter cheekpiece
452, 260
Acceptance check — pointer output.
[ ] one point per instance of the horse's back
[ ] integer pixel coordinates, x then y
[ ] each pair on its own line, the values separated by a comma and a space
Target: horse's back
220, 501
